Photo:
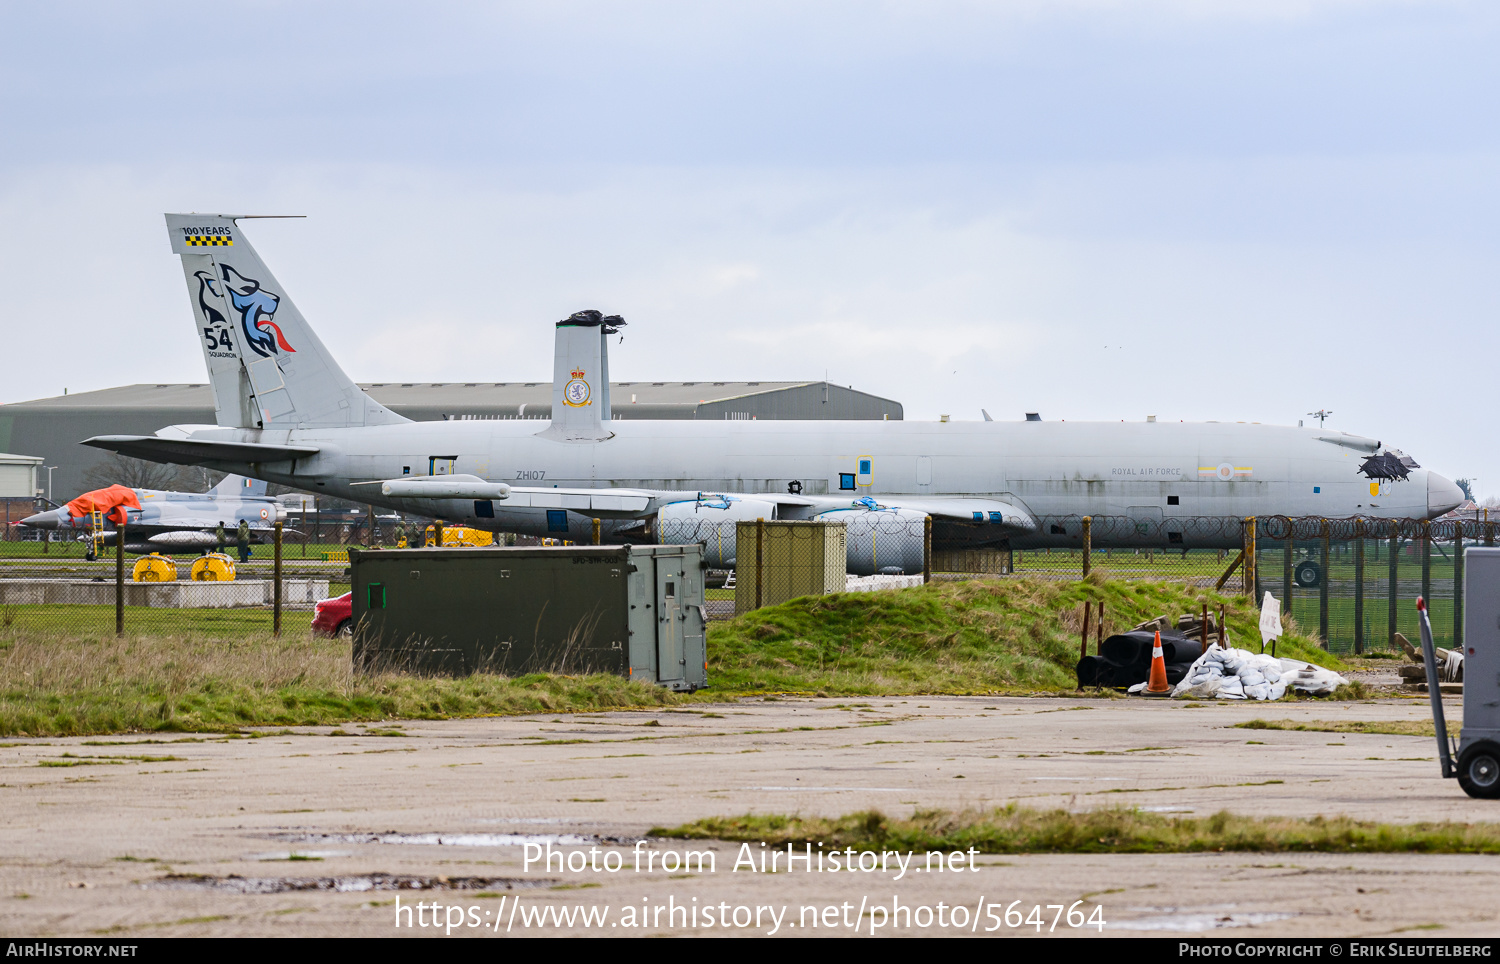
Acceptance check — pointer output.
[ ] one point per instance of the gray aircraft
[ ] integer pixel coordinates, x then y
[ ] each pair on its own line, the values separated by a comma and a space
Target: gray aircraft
162, 521
286, 412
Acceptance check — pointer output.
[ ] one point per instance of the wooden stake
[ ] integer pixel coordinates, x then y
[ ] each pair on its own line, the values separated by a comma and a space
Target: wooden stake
1084, 647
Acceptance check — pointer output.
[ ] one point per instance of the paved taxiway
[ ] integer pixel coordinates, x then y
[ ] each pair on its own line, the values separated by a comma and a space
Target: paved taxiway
92, 830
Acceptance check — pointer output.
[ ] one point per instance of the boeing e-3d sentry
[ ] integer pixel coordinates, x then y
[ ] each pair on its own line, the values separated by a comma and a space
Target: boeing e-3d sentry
163, 521
286, 412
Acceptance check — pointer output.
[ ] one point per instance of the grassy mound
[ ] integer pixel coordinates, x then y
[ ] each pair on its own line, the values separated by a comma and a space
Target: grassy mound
1021, 830
981, 636
954, 637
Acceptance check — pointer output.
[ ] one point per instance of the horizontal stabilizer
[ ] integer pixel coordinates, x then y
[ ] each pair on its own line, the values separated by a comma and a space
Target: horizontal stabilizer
197, 451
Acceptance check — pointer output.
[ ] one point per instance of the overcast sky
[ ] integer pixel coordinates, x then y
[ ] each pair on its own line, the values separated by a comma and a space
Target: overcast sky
1203, 209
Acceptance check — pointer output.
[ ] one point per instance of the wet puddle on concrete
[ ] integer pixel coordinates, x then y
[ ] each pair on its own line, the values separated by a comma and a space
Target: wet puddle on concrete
836, 789
1195, 921
448, 839
352, 883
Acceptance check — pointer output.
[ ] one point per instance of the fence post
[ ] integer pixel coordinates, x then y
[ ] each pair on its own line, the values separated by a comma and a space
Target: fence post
597, 527
437, 533
1458, 585
1323, 584
926, 549
120, 576
1250, 573
760, 568
1083, 646
1286, 565
1427, 563
1359, 586
1489, 533
276, 587
1390, 602
1088, 524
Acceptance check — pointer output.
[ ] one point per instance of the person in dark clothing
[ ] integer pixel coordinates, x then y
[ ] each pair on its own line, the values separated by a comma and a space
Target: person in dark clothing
244, 541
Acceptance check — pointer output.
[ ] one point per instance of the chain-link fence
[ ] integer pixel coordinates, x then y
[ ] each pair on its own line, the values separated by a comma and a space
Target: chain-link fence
1351, 582
84, 587
1354, 582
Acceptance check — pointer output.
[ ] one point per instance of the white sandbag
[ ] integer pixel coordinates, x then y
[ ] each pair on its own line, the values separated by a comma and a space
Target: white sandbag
1239, 674
1307, 678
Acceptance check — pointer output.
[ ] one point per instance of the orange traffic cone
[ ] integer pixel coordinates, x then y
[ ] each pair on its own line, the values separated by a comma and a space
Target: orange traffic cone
1157, 684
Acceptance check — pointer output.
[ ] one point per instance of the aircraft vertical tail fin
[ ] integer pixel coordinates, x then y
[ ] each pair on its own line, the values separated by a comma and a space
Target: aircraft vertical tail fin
266, 365
580, 378
237, 486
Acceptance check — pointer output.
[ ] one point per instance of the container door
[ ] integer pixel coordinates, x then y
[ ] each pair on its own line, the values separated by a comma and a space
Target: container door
670, 657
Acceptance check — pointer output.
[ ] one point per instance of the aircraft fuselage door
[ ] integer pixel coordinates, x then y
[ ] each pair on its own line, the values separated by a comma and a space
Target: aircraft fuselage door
866, 476
440, 464
670, 655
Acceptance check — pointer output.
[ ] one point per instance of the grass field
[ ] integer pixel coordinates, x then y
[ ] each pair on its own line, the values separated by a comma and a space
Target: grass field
222, 669
1020, 830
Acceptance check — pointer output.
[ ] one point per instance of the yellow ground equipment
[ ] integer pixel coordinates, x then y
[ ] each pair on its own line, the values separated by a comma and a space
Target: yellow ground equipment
460, 536
214, 567
154, 568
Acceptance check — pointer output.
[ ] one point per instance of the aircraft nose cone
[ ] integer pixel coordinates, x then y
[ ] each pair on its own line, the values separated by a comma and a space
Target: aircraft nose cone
1442, 495
42, 520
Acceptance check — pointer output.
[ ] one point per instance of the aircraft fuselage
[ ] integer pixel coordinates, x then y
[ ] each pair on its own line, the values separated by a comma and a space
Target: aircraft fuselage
1147, 470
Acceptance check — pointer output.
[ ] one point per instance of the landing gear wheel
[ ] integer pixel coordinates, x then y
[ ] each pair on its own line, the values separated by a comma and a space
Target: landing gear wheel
1308, 575
1479, 770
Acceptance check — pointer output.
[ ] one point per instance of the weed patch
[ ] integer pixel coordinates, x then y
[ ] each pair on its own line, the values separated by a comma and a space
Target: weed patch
1016, 830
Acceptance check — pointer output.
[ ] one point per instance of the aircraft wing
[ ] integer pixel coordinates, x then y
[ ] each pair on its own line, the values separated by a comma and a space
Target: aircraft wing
620, 503
186, 451
606, 503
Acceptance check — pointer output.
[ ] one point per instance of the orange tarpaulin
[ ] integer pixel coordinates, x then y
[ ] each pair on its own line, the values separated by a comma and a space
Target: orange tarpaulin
111, 501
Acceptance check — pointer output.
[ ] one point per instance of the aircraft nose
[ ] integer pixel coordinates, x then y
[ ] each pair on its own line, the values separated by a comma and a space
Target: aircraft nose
1442, 495
42, 520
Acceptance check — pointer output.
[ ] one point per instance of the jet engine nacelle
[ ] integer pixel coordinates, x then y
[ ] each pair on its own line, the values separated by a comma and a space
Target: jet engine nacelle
711, 521
881, 541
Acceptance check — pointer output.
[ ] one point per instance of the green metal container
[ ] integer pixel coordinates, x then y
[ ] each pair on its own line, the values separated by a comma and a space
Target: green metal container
632, 610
